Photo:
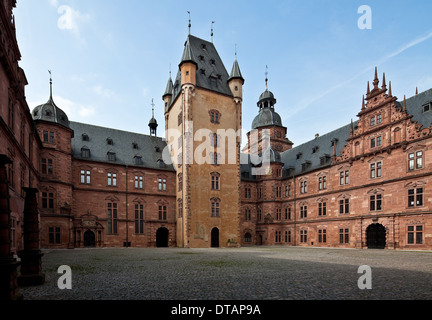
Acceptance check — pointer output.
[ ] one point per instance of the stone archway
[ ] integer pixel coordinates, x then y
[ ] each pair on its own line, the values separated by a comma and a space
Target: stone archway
376, 236
162, 238
215, 238
89, 239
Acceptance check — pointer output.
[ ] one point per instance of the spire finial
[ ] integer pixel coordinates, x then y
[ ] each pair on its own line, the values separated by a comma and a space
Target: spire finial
363, 103
376, 81
190, 24
404, 104
368, 89
416, 90
153, 105
266, 79
384, 86
390, 89
213, 22
49, 71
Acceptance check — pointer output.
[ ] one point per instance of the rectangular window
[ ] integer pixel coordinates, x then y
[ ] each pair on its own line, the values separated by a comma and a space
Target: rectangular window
139, 182
415, 160
51, 137
344, 207
415, 234
54, 235
45, 136
303, 236
322, 236
415, 197
47, 166
343, 236
180, 208
376, 202
322, 208
139, 218
162, 213
47, 200
303, 212
112, 179
112, 218
303, 187
215, 209
378, 141
379, 119
375, 170
85, 176
372, 121
344, 177
372, 143
162, 184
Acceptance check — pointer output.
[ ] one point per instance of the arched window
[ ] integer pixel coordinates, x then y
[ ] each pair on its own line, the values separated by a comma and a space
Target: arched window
247, 237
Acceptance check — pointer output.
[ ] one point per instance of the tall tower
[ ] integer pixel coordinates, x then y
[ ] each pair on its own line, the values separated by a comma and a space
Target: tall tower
203, 110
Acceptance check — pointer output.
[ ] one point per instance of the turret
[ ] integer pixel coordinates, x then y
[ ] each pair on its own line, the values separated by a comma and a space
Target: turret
188, 67
236, 82
167, 96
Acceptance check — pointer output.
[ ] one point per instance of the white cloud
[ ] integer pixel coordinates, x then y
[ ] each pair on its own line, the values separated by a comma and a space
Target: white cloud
103, 92
70, 19
72, 109
54, 3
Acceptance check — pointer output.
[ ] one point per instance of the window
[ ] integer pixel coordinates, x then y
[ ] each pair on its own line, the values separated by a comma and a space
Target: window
248, 193
378, 140
288, 213
85, 153
215, 207
415, 234
344, 177
110, 141
372, 121
111, 156
322, 183
376, 202
54, 235
303, 236
215, 116
415, 197
322, 235
427, 107
278, 191
303, 187
278, 214
247, 237
375, 170
259, 215
215, 158
215, 181
162, 184
139, 218
112, 218
344, 207
162, 212
112, 179
379, 119
277, 236
287, 236
303, 212
139, 182
85, 177
180, 208
138, 161
47, 166
415, 160
45, 136
85, 137
259, 193
343, 236
322, 208
372, 143
247, 215
47, 200
180, 118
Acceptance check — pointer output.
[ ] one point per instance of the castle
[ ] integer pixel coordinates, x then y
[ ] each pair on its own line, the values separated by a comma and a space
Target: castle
365, 185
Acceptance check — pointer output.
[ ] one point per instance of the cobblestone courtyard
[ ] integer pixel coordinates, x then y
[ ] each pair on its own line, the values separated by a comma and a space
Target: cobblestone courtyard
257, 273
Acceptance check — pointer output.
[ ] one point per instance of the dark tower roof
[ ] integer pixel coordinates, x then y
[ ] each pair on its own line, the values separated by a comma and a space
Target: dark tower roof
50, 112
235, 72
169, 88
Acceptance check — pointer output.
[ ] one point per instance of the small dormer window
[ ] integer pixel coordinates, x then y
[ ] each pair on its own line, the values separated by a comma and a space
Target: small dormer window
212, 62
427, 107
202, 71
135, 145
35, 113
85, 137
111, 156
48, 113
138, 160
203, 46
85, 153
299, 155
213, 81
161, 163
110, 141
157, 149
315, 149
201, 58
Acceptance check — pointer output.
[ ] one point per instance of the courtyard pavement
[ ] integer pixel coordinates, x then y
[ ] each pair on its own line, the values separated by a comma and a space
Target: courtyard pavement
253, 273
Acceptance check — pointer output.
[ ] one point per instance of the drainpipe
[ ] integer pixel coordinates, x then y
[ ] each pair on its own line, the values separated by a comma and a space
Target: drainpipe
294, 211
127, 212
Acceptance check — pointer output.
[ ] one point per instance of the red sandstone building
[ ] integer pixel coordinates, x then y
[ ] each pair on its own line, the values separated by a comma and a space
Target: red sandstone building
365, 185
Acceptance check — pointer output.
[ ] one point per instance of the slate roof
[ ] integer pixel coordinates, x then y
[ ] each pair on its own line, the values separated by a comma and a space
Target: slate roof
307, 157
51, 113
209, 64
122, 145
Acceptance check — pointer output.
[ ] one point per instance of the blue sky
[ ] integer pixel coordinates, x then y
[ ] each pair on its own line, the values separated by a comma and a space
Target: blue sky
110, 58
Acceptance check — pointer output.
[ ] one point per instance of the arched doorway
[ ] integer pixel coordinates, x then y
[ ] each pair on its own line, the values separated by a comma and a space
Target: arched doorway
376, 236
89, 239
162, 238
215, 238
247, 238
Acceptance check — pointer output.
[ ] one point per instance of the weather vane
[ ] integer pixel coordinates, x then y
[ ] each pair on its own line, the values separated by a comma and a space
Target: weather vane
213, 22
190, 25
153, 105
266, 74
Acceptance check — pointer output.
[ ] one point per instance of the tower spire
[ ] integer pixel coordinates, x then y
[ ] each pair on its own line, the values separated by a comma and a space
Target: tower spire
384, 86
368, 89
376, 81
190, 24
49, 71
390, 89
363, 103
266, 79
404, 104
